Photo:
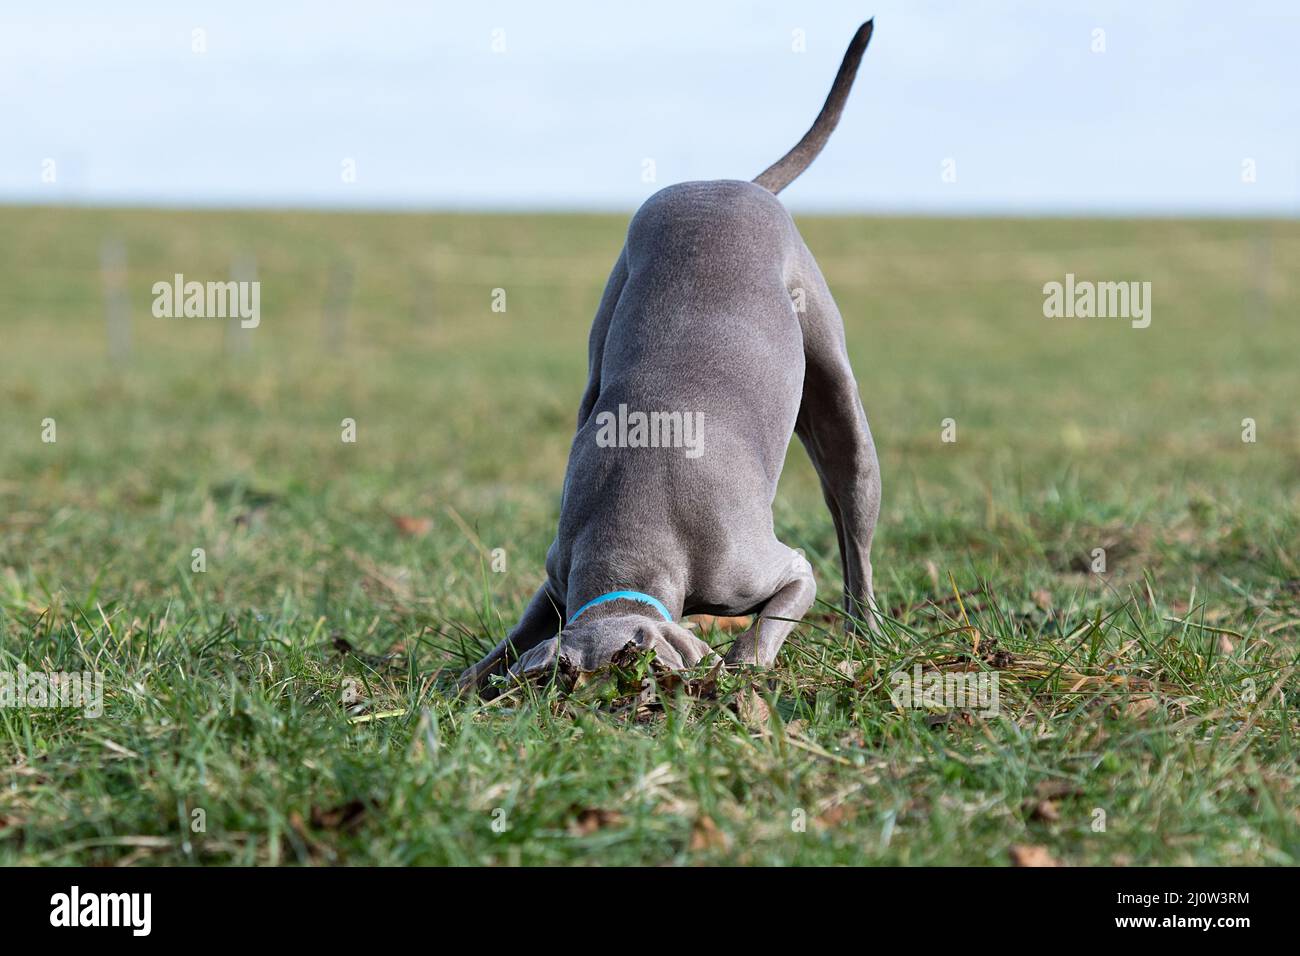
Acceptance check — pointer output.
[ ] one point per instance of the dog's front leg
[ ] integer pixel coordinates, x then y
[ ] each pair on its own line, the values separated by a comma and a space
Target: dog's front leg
542, 620
777, 618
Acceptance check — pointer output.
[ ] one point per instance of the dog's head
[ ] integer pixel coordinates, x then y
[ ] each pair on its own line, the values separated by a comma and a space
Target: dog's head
592, 642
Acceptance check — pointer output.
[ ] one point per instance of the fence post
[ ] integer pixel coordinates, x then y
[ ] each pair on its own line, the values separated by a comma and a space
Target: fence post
243, 268
338, 297
117, 312
1261, 255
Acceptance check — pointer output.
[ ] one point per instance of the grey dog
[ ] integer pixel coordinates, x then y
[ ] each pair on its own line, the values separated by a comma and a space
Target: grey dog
715, 315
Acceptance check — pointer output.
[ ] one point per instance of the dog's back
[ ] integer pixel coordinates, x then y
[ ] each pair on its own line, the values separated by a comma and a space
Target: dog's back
703, 312
706, 302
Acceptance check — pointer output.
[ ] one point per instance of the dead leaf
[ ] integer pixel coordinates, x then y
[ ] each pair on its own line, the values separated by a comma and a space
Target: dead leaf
705, 836
849, 669
1226, 646
1022, 854
1139, 707
752, 708
834, 816
591, 819
412, 527
1043, 598
728, 624
1046, 810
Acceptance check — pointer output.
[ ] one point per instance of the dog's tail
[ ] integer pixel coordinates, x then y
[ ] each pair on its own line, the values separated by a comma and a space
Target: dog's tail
784, 171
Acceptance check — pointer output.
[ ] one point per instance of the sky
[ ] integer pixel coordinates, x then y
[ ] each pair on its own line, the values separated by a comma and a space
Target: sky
993, 107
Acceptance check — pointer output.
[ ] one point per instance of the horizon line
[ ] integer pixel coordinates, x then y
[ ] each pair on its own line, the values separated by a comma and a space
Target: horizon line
916, 211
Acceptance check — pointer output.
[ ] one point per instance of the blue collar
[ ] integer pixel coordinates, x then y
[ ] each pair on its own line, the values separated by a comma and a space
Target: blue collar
623, 596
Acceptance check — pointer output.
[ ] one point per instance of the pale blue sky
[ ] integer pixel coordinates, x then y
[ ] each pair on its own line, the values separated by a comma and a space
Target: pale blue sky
585, 92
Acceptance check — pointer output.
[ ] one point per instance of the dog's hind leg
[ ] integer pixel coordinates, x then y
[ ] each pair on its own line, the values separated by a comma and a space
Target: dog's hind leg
599, 329
541, 620
833, 428
777, 617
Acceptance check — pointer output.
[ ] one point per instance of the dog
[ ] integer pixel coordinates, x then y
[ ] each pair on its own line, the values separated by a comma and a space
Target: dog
715, 316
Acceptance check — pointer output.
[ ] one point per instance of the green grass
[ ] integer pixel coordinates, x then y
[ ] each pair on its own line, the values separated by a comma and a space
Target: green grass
295, 691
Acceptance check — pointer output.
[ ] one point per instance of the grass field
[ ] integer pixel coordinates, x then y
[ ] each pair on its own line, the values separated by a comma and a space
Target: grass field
289, 704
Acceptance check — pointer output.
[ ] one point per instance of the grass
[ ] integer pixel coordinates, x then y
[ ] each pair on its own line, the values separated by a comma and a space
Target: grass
288, 704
